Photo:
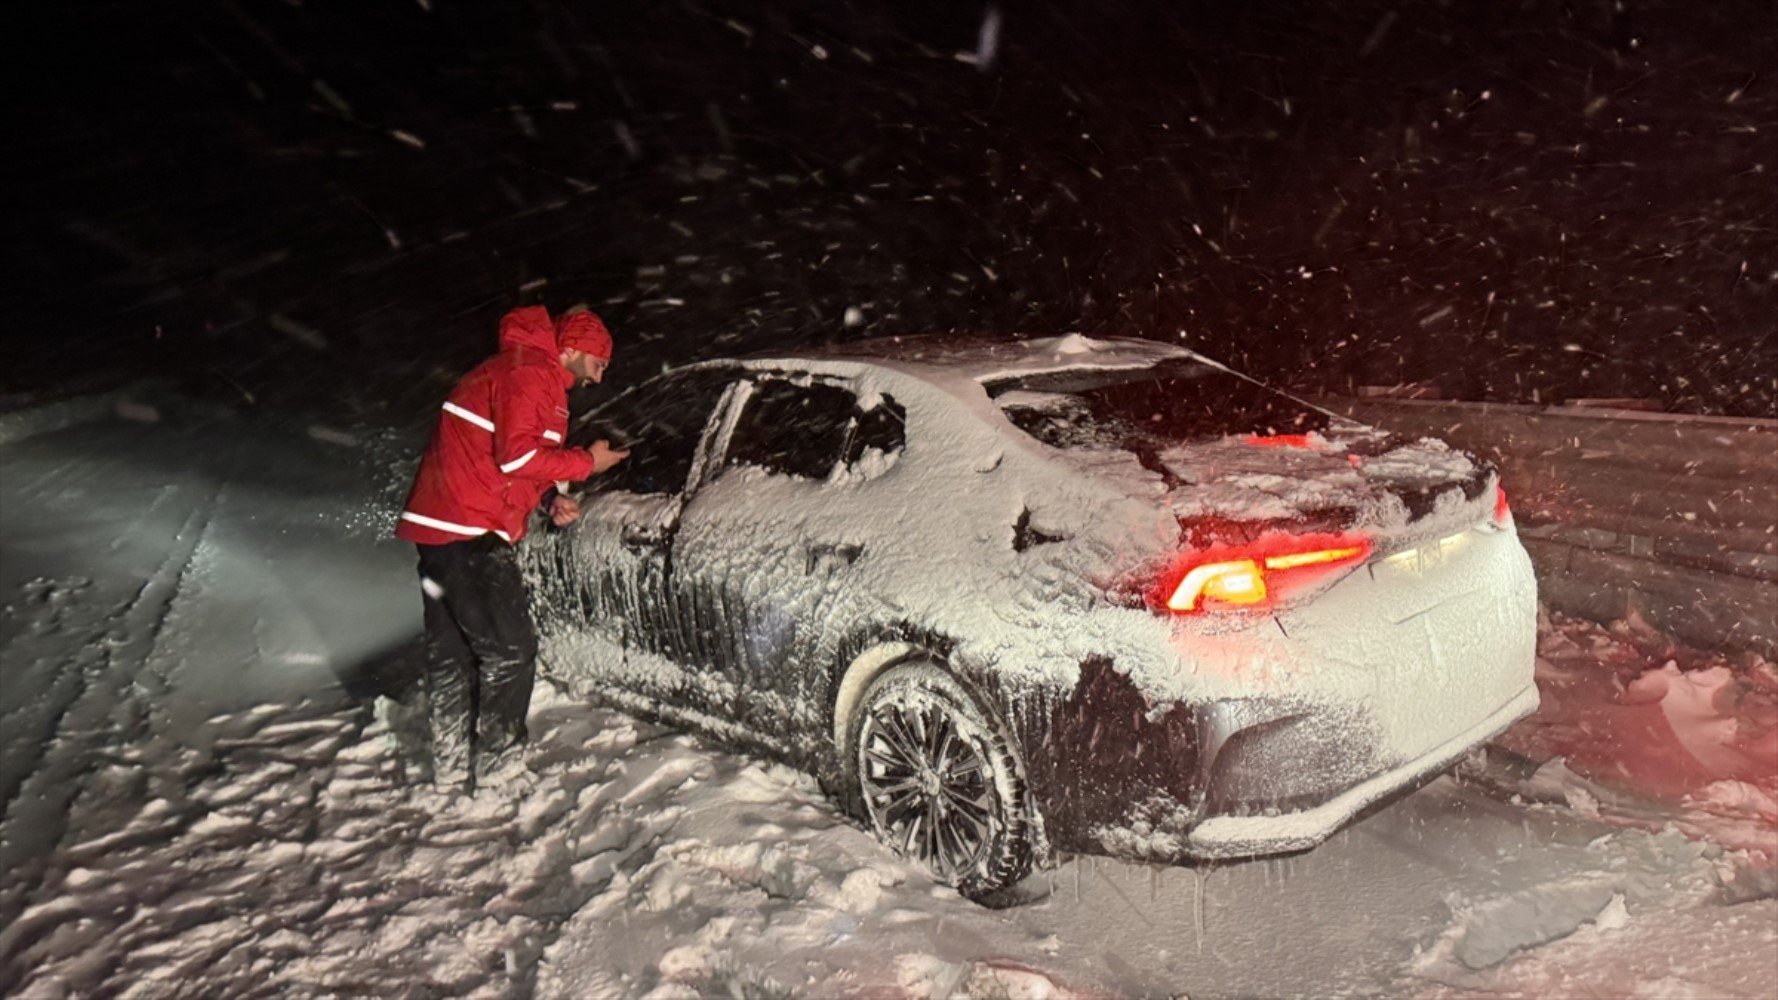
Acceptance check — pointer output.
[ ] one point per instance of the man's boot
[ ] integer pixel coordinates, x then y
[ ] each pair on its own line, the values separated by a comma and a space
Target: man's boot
504, 767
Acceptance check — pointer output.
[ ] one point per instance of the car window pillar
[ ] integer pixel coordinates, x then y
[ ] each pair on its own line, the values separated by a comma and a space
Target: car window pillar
719, 431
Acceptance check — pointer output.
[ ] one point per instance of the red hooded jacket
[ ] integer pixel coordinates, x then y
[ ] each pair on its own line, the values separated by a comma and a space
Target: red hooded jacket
498, 444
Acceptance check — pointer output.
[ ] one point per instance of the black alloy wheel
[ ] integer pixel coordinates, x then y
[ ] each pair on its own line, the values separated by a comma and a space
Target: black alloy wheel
939, 783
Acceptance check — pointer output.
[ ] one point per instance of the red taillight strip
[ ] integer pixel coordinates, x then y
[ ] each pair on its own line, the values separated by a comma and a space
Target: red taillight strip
1244, 579
1295, 559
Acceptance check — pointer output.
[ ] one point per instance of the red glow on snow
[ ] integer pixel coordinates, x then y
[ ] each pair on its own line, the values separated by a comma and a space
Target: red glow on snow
1279, 440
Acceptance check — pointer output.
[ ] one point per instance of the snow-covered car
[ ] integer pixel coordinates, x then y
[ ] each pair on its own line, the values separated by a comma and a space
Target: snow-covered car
1011, 600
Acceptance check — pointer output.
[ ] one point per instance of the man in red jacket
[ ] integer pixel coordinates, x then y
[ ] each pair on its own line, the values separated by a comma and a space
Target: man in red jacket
498, 451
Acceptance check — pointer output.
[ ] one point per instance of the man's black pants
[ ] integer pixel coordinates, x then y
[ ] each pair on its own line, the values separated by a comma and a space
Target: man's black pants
481, 652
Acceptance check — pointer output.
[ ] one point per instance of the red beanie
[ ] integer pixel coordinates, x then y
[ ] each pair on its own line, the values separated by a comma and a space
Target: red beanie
584, 331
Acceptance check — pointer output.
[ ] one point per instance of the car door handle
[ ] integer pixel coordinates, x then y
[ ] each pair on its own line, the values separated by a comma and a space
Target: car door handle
826, 554
649, 539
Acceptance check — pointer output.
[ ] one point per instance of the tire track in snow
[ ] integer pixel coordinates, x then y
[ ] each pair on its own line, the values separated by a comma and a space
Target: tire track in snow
55, 612
98, 724
46, 611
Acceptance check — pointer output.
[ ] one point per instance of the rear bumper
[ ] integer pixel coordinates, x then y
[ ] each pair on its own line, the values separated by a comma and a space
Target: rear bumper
1179, 823
1265, 739
1249, 836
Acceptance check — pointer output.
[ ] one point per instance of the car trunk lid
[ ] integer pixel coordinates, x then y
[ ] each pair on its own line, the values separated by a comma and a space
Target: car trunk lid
1236, 461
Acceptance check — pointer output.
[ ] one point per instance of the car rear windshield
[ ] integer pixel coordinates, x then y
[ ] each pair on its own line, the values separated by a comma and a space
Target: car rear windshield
1147, 409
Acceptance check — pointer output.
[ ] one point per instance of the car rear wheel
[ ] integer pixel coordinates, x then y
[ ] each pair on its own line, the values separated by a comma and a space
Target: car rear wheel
939, 782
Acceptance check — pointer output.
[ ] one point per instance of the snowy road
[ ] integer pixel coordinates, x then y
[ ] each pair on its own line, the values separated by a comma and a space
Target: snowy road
159, 571
195, 800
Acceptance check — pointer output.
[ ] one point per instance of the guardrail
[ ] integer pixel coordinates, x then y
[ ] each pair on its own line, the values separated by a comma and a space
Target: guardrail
1673, 517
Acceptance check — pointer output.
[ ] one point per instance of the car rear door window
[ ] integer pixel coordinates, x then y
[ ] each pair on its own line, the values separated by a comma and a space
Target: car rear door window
662, 423
880, 428
793, 430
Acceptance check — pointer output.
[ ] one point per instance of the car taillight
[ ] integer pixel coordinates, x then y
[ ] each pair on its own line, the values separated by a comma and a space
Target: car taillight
1503, 514
1239, 581
1250, 577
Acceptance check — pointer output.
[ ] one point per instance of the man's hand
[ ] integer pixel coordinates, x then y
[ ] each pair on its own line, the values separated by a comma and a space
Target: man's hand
563, 511
603, 456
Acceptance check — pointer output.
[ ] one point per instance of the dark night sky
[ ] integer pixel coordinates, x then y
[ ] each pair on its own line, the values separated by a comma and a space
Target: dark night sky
329, 203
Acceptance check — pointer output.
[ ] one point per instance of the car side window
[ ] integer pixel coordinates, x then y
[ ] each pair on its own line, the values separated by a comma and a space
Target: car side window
882, 428
793, 430
661, 422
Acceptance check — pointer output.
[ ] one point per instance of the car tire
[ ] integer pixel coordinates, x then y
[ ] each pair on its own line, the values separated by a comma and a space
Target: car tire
939, 782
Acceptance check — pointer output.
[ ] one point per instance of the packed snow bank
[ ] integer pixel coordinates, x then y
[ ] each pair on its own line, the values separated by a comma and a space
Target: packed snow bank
1637, 729
1707, 953
1484, 932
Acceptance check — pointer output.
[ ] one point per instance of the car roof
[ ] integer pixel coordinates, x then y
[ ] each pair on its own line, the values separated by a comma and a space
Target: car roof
949, 357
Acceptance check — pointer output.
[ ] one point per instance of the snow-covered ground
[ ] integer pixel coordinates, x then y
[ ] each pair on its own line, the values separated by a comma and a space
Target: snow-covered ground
198, 800
1642, 732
